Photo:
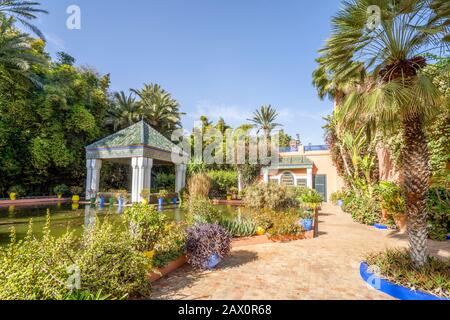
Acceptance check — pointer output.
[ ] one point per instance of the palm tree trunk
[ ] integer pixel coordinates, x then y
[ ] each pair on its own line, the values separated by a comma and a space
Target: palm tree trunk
416, 182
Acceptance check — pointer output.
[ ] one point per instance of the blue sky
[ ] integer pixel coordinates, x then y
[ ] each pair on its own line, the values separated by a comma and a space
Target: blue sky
217, 57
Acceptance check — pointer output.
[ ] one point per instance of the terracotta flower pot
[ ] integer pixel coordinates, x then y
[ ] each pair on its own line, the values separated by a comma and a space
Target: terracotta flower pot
401, 221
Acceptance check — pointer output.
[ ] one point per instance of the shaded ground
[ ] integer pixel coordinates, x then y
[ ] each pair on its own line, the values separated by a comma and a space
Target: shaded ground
323, 268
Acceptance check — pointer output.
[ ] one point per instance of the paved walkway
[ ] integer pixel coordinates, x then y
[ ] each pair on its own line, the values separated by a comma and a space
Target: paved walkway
323, 268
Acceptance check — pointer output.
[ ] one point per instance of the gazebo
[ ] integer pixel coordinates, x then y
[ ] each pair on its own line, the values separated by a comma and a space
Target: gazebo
140, 146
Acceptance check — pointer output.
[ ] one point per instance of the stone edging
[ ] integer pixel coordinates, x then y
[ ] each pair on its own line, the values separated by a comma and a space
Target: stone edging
392, 289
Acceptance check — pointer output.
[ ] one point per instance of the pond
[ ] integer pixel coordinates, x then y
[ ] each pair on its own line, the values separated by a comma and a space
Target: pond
75, 217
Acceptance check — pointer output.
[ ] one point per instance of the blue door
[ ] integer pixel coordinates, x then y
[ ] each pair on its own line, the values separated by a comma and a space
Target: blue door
320, 185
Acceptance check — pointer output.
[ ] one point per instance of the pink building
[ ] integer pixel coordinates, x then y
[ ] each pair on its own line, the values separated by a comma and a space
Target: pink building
308, 166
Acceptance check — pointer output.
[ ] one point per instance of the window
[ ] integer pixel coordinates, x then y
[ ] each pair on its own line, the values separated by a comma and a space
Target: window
287, 179
302, 183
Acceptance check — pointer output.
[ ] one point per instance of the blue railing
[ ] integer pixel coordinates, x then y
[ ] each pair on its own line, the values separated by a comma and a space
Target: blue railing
317, 148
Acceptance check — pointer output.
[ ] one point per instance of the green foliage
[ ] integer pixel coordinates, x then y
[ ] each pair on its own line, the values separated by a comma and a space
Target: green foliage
280, 223
269, 196
146, 225
438, 213
310, 198
201, 210
396, 266
391, 197
18, 190
336, 196
38, 269
363, 209
165, 180
240, 226
222, 181
171, 245
75, 190
162, 194
61, 189
199, 185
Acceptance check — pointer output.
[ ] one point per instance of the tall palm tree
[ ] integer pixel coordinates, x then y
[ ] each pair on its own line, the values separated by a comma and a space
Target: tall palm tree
24, 12
125, 111
159, 109
264, 119
398, 94
16, 56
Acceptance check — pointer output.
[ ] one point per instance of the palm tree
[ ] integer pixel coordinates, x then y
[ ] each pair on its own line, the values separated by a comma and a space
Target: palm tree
397, 94
125, 111
16, 56
264, 119
23, 11
159, 109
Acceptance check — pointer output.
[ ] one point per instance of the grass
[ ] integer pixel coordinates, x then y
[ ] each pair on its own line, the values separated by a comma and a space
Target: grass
396, 266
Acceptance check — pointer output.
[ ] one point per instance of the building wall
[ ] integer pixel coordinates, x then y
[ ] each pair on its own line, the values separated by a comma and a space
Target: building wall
323, 165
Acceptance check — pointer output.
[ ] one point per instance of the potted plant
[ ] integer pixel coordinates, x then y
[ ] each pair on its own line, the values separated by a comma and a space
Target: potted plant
15, 192
207, 245
121, 196
61, 190
307, 220
161, 196
311, 199
229, 196
393, 202
234, 192
101, 200
145, 195
76, 191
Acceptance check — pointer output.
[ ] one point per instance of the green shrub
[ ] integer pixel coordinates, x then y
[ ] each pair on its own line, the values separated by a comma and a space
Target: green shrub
285, 224
363, 209
165, 180
146, 225
310, 199
438, 213
241, 226
222, 181
61, 189
391, 197
336, 196
171, 245
397, 266
76, 191
202, 210
18, 190
269, 196
38, 269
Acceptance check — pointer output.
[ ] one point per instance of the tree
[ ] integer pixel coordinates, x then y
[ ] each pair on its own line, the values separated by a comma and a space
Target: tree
24, 12
159, 109
396, 92
124, 111
264, 119
16, 53
65, 58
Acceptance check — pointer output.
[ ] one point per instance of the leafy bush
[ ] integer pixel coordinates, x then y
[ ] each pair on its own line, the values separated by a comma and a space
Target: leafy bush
391, 197
146, 225
336, 196
205, 240
310, 198
285, 223
18, 190
171, 245
222, 181
241, 226
363, 209
269, 196
397, 266
199, 186
202, 210
438, 213
165, 180
61, 189
37, 269
75, 190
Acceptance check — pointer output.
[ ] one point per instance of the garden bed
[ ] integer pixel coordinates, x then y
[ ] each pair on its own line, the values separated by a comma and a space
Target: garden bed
172, 266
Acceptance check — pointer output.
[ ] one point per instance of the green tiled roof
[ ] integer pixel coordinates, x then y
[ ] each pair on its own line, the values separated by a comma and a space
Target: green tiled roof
292, 162
139, 134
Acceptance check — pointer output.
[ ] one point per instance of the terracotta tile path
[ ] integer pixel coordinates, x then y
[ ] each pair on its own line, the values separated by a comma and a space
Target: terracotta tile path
323, 268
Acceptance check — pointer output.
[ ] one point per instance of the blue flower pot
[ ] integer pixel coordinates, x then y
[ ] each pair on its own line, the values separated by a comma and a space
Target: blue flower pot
307, 224
213, 261
340, 203
160, 202
101, 202
121, 201
175, 201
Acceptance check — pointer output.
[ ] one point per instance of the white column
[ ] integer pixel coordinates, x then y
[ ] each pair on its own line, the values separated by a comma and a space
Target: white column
180, 177
93, 167
183, 175
309, 173
141, 168
266, 175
